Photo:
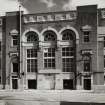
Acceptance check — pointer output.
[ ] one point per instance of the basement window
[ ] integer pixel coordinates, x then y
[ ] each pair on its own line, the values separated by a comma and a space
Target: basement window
32, 84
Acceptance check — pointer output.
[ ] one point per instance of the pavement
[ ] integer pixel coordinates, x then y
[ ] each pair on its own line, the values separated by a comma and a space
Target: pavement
49, 97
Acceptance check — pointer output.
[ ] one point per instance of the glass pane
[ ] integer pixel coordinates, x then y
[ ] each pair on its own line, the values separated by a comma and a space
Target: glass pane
49, 36
31, 53
45, 54
67, 35
49, 59
32, 37
86, 66
53, 65
49, 64
45, 65
49, 54
15, 42
67, 64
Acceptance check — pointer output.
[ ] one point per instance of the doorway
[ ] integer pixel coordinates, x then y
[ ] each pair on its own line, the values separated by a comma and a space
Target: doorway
87, 84
32, 84
14, 83
68, 84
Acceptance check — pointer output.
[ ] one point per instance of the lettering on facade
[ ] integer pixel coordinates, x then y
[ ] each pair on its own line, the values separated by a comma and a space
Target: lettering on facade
49, 17
31, 19
40, 18
59, 17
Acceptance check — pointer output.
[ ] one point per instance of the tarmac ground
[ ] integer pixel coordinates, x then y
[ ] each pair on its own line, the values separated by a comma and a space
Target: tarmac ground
51, 97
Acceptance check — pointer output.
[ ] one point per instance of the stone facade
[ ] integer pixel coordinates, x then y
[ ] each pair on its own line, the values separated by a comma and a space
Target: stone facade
60, 50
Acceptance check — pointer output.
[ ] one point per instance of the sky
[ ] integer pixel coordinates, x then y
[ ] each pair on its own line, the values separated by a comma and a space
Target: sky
39, 6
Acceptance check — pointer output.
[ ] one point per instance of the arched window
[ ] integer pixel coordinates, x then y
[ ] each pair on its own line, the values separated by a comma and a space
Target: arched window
67, 35
32, 37
49, 36
68, 51
31, 58
49, 52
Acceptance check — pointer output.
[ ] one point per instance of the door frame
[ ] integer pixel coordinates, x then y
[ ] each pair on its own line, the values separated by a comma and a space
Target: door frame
12, 83
88, 77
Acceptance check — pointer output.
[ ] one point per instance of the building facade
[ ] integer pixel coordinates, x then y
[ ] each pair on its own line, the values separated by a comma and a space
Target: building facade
58, 50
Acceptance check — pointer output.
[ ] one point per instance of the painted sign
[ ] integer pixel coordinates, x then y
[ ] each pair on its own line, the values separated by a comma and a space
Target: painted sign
49, 17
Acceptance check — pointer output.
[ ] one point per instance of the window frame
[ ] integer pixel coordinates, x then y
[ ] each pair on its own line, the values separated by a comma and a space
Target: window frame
52, 57
69, 57
32, 60
14, 39
87, 66
86, 36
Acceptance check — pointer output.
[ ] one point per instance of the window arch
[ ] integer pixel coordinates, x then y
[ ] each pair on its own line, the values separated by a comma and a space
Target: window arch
68, 35
50, 36
32, 37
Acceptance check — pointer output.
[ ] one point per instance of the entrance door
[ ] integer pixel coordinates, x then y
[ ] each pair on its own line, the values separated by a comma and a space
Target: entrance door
32, 84
14, 83
87, 84
67, 84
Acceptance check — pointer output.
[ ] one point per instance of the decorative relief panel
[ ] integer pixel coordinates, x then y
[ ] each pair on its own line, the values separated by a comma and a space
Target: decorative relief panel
50, 17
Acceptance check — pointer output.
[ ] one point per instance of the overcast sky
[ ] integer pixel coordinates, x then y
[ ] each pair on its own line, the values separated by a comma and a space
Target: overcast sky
35, 6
